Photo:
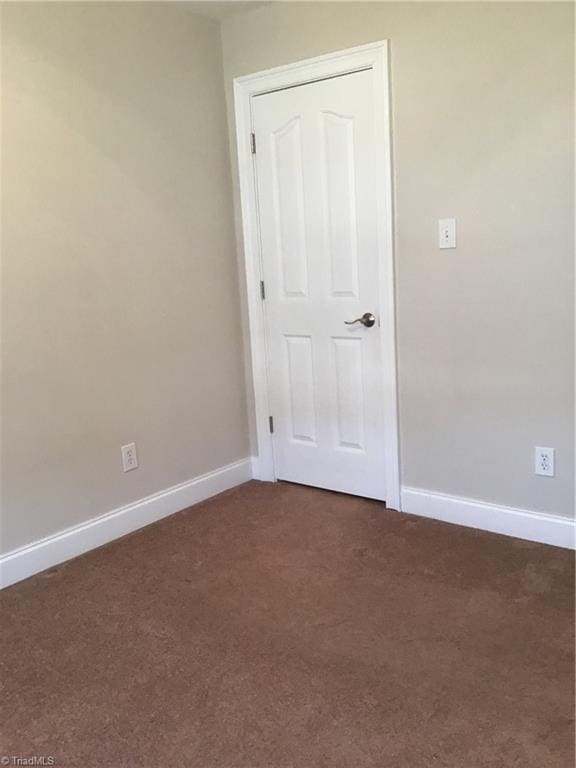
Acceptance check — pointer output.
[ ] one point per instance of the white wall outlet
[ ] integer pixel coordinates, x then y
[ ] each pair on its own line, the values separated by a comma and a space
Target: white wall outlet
129, 457
447, 233
544, 461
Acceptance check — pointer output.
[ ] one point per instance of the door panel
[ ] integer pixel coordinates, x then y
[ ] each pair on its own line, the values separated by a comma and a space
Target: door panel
319, 240
340, 200
300, 382
348, 371
288, 184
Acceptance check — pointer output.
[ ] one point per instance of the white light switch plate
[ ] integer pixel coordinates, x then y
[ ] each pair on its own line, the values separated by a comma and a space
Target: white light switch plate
447, 233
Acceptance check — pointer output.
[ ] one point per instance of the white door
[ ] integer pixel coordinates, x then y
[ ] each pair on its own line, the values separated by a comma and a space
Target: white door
316, 187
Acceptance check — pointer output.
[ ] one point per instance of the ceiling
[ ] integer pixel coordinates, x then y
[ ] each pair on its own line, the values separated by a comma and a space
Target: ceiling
214, 9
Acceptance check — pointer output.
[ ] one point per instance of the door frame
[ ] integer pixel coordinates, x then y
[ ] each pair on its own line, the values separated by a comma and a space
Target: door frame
374, 56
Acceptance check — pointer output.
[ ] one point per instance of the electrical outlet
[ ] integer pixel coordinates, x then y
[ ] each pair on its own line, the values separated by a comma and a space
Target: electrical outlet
129, 457
447, 233
544, 461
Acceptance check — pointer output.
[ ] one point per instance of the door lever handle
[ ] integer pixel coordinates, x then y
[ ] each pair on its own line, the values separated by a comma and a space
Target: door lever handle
367, 319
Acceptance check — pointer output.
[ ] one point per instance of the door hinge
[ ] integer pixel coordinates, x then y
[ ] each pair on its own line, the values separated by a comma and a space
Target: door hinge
262, 290
271, 424
253, 143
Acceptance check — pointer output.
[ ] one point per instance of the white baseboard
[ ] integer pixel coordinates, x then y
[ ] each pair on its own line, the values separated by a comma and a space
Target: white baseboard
509, 521
45, 553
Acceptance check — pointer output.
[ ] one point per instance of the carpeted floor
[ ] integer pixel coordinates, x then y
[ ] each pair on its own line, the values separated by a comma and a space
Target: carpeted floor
278, 626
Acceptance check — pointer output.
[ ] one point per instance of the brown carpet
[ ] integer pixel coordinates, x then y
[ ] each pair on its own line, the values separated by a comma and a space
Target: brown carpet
278, 626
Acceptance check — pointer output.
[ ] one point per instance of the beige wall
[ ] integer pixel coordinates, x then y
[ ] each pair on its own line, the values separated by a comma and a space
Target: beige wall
118, 245
482, 99
120, 304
